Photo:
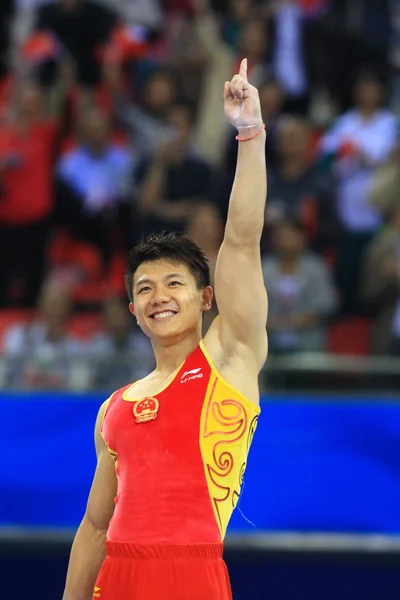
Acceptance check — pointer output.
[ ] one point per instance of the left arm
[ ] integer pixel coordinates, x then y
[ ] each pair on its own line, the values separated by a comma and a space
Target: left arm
239, 285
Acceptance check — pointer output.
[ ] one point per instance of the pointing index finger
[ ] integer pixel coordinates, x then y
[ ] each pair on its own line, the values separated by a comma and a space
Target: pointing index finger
243, 69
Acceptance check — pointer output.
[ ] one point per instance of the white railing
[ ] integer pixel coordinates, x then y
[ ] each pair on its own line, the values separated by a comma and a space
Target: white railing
284, 541
80, 370
317, 362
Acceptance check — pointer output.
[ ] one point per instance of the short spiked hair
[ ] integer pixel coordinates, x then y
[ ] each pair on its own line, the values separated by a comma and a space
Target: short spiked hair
174, 247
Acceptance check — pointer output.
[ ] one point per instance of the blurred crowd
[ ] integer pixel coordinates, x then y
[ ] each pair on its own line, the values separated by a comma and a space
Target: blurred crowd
112, 127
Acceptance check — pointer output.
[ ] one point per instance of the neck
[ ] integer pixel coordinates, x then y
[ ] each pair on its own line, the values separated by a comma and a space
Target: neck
367, 112
170, 354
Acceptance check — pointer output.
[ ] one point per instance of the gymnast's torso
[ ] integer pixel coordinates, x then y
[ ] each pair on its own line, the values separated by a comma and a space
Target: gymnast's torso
180, 456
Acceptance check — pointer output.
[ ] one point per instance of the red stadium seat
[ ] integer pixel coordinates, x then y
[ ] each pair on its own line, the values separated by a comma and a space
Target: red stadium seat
78, 265
115, 280
350, 336
84, 325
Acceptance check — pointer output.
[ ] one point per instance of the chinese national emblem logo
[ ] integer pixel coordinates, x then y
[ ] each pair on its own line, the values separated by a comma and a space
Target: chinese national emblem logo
146, 410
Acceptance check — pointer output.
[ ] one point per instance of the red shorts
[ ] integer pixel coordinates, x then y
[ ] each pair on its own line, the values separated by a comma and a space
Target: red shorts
163, 572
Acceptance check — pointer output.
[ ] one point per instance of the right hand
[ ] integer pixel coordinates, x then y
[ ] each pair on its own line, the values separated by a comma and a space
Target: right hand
242, 101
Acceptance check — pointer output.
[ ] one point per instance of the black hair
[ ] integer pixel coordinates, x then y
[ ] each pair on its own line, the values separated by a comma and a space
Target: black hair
370, 74
174, 247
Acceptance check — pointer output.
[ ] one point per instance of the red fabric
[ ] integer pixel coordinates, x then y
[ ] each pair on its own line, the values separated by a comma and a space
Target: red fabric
179, 6
140, 572
350, 337
313, 7
6, 88
162, 492
309, 216
126, 42
27, 186
84, 326
40, 46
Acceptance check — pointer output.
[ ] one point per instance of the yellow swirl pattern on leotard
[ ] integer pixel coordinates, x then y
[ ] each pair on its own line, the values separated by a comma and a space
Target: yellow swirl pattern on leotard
228, 423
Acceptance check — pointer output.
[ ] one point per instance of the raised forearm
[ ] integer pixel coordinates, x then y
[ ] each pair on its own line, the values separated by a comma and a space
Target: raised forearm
152, 189
87, 555
249, 193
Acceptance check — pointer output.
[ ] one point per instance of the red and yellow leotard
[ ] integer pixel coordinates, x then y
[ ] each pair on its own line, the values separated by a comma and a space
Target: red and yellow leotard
180, 458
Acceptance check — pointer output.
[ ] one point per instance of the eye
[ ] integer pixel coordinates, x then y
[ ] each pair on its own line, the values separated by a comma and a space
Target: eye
175, 283
143, 289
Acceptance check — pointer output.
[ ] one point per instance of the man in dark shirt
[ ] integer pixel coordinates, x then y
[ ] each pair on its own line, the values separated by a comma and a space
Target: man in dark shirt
81, 26
296, 189
172, 181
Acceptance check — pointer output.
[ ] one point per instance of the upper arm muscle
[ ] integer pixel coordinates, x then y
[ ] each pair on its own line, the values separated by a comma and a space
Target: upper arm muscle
242, 297
100, 506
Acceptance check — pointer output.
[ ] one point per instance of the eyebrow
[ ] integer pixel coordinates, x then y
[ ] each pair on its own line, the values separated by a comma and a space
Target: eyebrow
168, 276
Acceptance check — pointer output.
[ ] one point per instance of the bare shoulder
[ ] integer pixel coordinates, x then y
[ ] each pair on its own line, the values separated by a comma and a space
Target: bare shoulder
237, 364
98, 439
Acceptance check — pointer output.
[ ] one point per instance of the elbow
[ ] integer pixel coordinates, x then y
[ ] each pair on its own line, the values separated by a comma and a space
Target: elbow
243, 237
98, 526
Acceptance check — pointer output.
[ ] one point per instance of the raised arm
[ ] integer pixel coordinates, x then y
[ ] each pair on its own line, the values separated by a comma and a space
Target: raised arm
239, 286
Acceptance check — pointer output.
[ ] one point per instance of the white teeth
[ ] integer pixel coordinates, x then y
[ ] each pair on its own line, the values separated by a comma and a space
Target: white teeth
163, 315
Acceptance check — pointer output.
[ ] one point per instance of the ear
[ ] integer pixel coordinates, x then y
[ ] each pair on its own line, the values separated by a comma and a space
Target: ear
131, 308
207, 297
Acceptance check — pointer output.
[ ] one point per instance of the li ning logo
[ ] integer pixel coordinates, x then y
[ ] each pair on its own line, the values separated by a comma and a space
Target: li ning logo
192, 374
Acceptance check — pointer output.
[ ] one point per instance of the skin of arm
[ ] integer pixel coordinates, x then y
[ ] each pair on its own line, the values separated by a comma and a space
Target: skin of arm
239, 284
88, 549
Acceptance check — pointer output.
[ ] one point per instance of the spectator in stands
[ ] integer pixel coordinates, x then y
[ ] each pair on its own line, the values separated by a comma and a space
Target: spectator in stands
26, 195
94, 182
38, 354
253, 42
385, 188
380, 285
296, 189
174, 181
300, 290
147, 122
238, 12
145, 13
272, 98
358, 142
121, 353
289, 59
206, 228
81, 27
5, 13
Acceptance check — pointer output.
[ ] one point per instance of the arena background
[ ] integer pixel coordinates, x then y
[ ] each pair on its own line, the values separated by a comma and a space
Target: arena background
111, 126
318, 516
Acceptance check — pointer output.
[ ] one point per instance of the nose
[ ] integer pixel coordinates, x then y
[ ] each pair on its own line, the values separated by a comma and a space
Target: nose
160, 297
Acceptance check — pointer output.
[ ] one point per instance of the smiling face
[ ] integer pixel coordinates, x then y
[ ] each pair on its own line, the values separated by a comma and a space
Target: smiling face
167, 301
